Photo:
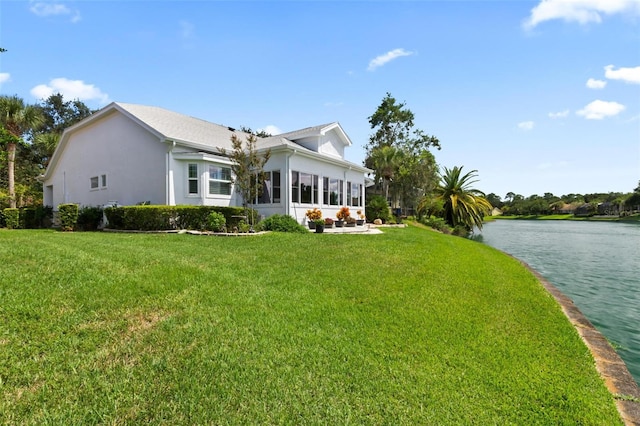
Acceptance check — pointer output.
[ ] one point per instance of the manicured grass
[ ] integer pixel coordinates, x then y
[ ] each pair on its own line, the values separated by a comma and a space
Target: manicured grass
408, 327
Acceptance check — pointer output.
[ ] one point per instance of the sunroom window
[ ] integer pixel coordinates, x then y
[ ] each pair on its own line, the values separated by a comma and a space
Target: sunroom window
219, 180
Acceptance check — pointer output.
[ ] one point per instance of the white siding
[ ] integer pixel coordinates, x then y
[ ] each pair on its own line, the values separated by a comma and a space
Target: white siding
133, 160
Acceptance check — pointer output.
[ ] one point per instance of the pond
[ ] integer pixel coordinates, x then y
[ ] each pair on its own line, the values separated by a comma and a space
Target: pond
596, 264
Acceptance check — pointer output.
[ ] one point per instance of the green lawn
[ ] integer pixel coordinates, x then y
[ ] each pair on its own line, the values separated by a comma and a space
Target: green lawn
409, 327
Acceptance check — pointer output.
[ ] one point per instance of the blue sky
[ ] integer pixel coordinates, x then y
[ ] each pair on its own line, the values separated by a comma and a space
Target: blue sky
538, 96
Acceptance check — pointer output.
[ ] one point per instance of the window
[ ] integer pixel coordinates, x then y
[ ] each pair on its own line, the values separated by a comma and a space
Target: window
193, 179
325, 190
94, 182
295, 187
304, 188
219, 180
103, 181
270, 188
355, 195
334, 192
349, 193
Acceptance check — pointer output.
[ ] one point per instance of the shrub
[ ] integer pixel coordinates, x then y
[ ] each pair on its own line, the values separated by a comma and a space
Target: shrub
377, 208
68, 216
281, 223
2, 222
157, 218
216, 222
193, 217
436, 223
115, 217
12, 218
149, 218
89, 218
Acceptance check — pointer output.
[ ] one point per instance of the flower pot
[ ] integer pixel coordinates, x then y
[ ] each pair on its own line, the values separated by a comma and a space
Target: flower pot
319, 229
351, 224
339, 223
360, 222
312, 224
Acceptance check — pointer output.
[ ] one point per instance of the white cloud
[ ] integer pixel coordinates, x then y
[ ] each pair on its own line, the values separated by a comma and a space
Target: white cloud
592, 83
4, 77
581, 11
597, 110
379, 61
70, 89
628, 75
53, 9
271, 129
526, 125
561, 114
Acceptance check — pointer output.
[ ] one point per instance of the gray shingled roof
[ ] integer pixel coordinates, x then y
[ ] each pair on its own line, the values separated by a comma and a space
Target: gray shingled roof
175, 126
314, 130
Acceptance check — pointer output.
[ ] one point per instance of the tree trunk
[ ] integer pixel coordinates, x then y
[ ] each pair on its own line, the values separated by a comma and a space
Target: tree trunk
11, 163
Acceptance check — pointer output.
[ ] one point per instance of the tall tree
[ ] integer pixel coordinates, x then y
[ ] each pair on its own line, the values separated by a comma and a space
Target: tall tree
393, 125
248, 169
385, 161
462, 204
17, 119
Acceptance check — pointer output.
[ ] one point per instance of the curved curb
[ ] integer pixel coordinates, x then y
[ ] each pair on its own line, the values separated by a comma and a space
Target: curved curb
611, 367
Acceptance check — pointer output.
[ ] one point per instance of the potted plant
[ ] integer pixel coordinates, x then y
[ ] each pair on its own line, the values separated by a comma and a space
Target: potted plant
319, 225
312, 216
350, 222
328, 222
361, 217
342, 215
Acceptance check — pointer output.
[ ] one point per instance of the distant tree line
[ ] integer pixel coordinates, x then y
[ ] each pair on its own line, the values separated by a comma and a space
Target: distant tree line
611, 203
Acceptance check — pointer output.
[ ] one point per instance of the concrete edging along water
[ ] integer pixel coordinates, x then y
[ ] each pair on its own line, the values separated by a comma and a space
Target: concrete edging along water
611, 367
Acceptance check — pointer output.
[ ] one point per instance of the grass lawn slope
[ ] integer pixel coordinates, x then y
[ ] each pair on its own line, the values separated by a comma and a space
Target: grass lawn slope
408, 327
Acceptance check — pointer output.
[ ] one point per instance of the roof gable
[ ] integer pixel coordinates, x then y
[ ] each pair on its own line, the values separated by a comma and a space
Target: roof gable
317, 131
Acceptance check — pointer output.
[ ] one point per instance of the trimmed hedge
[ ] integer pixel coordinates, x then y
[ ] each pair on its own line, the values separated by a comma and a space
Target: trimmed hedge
89, 218
162, 218
68, 216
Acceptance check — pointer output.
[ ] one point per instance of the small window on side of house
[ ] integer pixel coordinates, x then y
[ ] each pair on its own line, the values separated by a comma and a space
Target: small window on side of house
103, 181
193, 179
94, 182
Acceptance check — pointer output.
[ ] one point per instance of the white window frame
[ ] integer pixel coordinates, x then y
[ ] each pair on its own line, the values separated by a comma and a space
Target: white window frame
220, 179
195, 179
94, 185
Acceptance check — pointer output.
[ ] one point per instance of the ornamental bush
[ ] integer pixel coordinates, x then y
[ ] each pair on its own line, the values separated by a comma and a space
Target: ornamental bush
216, 222
377, 208
12, 218
281, 223
68, 214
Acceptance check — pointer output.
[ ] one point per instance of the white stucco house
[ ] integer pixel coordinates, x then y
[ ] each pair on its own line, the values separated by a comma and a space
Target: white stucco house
128, 154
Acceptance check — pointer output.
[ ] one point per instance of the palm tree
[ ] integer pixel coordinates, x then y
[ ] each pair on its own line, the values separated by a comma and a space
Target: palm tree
385, 161
462, 205
16, 118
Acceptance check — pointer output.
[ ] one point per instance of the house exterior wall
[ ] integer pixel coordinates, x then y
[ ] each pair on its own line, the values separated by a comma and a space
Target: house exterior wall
131, 159
179, 182
329, 143
303, 164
